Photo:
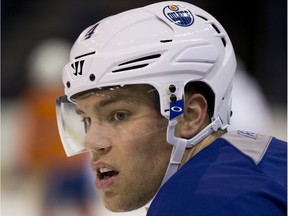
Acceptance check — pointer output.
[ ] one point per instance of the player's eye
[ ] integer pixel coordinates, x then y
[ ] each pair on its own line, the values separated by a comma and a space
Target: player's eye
120, 116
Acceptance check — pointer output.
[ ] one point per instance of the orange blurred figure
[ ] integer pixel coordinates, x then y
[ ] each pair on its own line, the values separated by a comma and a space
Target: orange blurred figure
65, 181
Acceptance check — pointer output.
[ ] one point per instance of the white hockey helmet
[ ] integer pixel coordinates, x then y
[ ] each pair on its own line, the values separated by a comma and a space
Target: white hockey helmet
166, 44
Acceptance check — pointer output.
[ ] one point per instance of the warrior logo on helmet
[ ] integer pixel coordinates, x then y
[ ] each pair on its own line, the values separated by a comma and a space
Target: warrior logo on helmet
178, 15
77, 66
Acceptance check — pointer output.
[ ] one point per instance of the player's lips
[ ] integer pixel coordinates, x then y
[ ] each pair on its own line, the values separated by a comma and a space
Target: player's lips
105, 175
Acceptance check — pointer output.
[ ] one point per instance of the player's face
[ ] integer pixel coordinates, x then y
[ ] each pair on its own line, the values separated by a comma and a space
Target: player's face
126, 137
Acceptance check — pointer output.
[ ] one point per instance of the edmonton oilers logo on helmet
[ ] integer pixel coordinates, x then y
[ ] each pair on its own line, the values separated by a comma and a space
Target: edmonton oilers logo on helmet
179, 15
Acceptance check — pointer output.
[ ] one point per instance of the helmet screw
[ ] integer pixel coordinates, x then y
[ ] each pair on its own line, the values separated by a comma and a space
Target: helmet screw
92, 77
173, 98
68, 84
172, 88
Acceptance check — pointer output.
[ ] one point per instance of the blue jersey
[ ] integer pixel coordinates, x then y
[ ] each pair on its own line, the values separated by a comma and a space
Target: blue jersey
238, 174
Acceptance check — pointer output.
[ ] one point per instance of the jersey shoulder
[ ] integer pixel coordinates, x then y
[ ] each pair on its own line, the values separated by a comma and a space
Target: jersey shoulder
224, 175
268, 153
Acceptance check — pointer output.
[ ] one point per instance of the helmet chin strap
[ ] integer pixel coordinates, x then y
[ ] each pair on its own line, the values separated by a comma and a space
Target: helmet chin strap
180, 145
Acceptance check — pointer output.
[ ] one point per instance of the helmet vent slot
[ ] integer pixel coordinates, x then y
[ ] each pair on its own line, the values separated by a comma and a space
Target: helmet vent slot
216, 29
130, 68
166, 41
202, 17
223, 41
91, 53
219, 32
141, 59
136, 63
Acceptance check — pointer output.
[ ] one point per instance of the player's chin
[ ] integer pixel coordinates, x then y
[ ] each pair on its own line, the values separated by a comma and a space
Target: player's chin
121, 203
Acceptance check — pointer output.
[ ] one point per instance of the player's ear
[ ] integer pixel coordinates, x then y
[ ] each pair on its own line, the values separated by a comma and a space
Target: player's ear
195, 116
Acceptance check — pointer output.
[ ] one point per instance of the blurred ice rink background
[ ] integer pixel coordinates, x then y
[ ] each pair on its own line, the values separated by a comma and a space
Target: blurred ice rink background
36, 38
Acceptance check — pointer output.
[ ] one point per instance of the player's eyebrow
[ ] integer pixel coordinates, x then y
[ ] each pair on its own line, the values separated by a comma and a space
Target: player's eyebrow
117, 98
111, 100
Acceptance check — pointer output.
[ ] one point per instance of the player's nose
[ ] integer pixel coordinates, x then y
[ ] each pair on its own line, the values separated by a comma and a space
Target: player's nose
98, 138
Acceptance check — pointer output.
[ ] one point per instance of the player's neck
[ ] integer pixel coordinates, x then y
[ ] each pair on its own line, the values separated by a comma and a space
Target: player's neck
189, 153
